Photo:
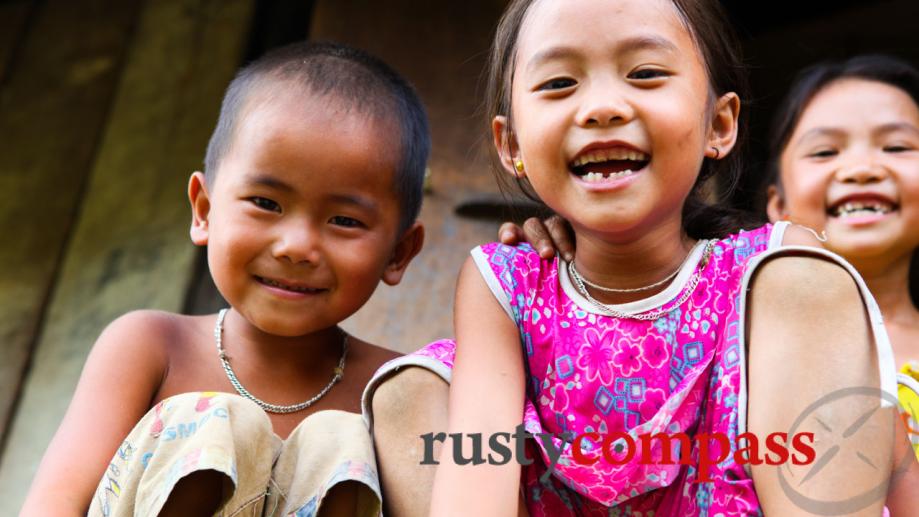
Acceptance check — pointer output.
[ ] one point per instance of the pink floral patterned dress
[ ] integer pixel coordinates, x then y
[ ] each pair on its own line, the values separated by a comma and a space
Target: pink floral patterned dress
588, 372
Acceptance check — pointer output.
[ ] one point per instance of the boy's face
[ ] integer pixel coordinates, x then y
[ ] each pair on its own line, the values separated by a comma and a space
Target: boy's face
301, 220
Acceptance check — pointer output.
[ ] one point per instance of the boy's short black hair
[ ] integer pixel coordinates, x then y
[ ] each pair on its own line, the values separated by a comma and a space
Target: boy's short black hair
360, 81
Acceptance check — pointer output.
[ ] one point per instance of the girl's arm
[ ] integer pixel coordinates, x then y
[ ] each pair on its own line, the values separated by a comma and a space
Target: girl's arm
810, 340
121, 376
486, 397
902, 496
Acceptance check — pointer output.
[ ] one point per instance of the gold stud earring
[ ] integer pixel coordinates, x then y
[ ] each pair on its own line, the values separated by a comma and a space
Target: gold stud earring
518, 165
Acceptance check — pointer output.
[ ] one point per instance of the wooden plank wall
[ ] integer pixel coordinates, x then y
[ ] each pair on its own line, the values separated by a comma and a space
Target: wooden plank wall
129, 248
54, 100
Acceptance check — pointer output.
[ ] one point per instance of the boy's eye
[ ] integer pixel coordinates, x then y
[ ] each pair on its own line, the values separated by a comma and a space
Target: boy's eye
645, 74
896, 148
347, 222
265, 204
559, 83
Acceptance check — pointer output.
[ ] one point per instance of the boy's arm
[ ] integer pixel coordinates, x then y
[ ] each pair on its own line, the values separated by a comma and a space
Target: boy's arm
119, 380
486, 396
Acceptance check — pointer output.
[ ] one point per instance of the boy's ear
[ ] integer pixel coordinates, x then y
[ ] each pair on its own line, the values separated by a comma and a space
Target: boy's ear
723, 131
200, 208
408, 246
506, 145
775, 205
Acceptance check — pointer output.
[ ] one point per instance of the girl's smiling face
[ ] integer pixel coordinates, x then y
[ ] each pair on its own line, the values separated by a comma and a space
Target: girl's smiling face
612, 113
851, 167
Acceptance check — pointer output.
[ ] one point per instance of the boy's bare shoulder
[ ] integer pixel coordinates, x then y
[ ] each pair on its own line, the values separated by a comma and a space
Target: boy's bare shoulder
149, 326
148, 334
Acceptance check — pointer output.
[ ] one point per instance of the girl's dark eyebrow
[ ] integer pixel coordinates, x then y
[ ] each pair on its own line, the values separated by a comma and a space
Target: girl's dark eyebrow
897, 126
633, 44
646, 42
551, 54
835, 132
821, 131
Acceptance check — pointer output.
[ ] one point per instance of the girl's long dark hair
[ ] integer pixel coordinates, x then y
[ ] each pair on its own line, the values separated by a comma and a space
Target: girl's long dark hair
813, 79
720, 50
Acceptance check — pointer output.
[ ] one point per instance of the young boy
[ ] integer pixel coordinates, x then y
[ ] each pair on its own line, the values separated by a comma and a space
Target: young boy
311, 189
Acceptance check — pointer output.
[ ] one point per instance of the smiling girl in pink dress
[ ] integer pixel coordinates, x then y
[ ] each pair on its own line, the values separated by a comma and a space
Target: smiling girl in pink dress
670, 319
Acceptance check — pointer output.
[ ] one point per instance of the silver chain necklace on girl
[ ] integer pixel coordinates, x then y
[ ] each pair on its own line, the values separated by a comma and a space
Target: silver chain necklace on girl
338, 373
580, 281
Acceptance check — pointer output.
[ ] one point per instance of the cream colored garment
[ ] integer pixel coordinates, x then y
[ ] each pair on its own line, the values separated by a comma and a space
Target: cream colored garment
227, 433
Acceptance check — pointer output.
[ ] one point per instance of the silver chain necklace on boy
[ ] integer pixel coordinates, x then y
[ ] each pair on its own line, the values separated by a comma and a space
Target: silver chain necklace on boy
338, 373
579, 282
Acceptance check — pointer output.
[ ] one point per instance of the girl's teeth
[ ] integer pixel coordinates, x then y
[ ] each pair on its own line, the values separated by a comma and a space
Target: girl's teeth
605, 155
860, 208
597, 177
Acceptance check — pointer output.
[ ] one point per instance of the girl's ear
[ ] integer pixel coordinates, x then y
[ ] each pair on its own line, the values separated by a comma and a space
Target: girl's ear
200, 208
775, 205
723, 132
406, 249
506, 145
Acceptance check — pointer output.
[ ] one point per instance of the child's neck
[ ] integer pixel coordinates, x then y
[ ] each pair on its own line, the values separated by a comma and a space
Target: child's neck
631, 262
889, 283
300, 354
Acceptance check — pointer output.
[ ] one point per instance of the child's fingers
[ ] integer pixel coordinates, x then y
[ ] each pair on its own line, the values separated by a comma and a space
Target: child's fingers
535, 232
510, 234
560, 234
